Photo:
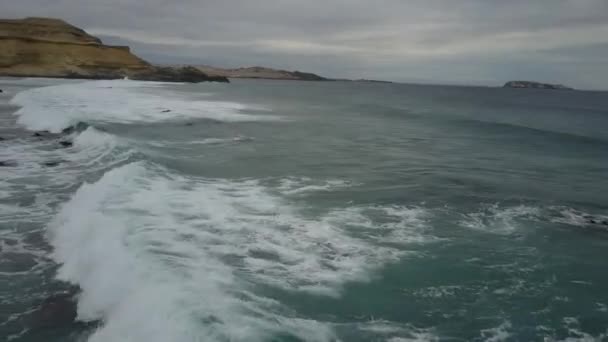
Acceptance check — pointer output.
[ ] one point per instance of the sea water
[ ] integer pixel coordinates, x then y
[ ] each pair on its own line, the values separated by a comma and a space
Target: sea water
303, 211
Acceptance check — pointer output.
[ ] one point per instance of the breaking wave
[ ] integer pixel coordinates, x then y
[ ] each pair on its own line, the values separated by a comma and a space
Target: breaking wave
55, 107
158, 255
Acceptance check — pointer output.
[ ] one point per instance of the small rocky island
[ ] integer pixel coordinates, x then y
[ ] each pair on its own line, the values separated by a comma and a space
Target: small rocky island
46, 47
535, 85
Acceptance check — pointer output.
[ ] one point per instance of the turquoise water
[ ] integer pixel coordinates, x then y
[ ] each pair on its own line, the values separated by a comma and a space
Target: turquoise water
305, 211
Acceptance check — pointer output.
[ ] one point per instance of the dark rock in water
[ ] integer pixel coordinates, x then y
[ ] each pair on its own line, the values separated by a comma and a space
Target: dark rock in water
42, 133
68, 130
79, 127
165, 111
52, 163
176, 74
190, 124
1, 91
66, 144
595, 221
56, 311
7, 163
2, 139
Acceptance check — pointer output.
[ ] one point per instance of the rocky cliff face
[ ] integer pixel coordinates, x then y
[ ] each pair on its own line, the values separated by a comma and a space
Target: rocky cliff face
47, 29
43, 47
261, 72
535, 85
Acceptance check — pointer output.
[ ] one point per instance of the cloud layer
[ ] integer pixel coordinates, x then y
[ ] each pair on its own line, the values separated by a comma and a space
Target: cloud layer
452, 41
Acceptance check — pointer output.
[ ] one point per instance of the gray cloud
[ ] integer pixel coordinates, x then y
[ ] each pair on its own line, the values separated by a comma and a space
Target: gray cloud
454, 41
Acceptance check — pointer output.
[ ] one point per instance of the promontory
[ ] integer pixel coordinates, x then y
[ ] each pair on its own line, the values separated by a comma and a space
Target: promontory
46, 47
258, 72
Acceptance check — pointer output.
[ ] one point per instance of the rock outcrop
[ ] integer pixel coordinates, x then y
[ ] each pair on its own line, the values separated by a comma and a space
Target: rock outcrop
169, 74
535, 85
58, 310
261, 73
45, 47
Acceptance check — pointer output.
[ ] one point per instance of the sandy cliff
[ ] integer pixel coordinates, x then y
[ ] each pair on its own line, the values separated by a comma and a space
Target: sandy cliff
44, 47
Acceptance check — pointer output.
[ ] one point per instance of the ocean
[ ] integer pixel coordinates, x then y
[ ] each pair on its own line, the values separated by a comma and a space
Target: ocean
302, 211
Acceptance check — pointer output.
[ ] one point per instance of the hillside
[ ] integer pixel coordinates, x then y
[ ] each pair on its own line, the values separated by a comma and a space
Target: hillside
45, 47
261, 73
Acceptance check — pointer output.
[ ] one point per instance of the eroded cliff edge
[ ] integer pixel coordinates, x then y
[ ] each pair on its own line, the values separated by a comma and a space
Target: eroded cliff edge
46, 47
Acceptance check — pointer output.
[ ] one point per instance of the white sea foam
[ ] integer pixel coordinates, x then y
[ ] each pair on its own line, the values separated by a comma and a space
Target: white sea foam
194, 143
579, 218
396, 332
498, 333
56, 107
41, 170
301, 185
500, 220
388, 224
162, 257
92, 151
438, 291
576, 334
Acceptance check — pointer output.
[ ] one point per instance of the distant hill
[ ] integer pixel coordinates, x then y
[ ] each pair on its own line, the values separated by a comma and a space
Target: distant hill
261, 73
47, 47
535, 85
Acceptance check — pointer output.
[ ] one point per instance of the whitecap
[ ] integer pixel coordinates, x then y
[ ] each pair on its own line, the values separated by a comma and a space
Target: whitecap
163, 257
59, 106
500, 220
499, 333
302, 185
573, 217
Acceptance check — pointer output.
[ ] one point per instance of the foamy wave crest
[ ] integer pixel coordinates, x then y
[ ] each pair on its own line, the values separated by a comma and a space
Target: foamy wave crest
296, 186
500, 220
163, 257
571, 331
56, 107
505, 220
391, 224
497, 334
573, 217
390, 332
40, 170
196, 143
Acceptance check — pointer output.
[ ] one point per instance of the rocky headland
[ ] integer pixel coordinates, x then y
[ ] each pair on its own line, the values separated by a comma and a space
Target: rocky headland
261, 73
535, 85
46, 47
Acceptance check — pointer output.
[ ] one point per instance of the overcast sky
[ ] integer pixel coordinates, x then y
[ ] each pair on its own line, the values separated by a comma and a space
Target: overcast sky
483, 42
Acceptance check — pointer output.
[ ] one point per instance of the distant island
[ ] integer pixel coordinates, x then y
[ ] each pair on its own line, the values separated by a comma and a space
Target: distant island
535, 85
46, 47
